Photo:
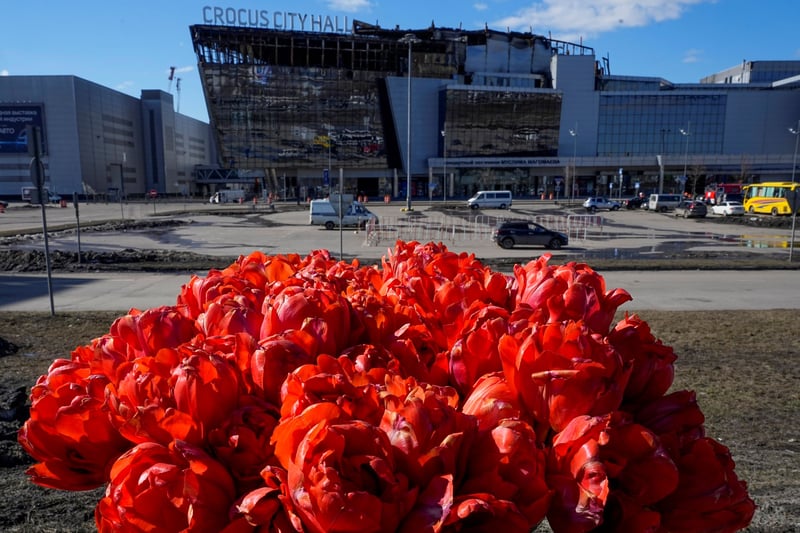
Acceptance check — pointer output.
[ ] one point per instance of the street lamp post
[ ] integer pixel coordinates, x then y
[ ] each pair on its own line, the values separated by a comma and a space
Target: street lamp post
796, 133
444, 165
408, 39
574, 133
660, 159
686, 133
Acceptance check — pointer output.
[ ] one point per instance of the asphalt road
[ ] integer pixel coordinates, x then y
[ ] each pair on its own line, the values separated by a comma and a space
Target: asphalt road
662, 290
241, 231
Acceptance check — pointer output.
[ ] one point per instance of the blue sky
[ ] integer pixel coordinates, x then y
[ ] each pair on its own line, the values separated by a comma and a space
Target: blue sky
131, 45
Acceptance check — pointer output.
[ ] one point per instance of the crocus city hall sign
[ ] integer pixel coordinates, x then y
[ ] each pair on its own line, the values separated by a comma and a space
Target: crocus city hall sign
277, 20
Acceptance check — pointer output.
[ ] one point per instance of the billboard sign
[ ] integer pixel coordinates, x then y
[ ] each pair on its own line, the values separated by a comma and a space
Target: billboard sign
14, 120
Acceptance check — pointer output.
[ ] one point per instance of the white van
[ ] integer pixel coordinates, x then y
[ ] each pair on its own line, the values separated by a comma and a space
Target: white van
663, 202
490, 199
325, 213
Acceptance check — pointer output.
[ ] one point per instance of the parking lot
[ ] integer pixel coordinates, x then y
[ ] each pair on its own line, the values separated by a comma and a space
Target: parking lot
233, 229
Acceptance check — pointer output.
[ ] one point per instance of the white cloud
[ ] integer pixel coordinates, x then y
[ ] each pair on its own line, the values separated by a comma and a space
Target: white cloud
692, 55
480, 6
350, 5
124, 86
4, 72
187, 68
571, 19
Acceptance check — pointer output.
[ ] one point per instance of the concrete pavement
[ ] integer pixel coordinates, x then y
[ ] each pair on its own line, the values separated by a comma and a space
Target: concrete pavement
651, 290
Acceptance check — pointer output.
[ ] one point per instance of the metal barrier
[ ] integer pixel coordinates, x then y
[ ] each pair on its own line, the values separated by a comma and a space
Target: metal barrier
477, 228
580, 226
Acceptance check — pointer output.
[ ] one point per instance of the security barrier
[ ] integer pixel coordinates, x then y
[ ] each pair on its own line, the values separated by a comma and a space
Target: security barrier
476, 228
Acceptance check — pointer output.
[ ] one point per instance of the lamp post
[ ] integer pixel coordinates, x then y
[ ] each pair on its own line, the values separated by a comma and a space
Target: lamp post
686, 133
408, 39
574, 133
444, 165
796, 132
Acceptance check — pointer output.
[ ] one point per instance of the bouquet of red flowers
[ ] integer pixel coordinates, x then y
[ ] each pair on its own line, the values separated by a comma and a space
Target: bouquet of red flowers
427, 393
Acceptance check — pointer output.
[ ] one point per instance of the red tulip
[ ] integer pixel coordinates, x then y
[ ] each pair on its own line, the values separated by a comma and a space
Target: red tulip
492, 400
140, 333
322, 314
675, 418
507, 462
69, 430
337, 382
431, 436
146, 332
375, 315
368, 357
160, 488
238, 350
205, 387
142, 405
485, 513
595, 458
275, 358
268, 507
653, 369
475, 352
259, 269
200, 292
569, 292
709, 498
242, 442
431, 508
228, 315
562, 371
341, 474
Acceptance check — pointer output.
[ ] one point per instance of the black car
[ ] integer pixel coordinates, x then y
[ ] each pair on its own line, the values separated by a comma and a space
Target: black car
510, 234
691, 209
633, 203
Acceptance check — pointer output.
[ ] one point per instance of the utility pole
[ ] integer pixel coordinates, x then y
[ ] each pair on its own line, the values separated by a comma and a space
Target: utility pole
34, 136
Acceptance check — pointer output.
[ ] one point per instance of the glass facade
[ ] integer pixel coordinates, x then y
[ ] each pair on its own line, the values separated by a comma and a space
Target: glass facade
491, 113
284, 117
647, 124
491, 122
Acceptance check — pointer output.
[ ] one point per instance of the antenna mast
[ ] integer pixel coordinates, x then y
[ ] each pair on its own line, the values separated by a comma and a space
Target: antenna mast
171, 76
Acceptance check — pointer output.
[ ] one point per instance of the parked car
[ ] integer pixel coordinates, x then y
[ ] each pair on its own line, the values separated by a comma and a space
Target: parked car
633, 203
691, 209
728, 209
598, 202
511, 233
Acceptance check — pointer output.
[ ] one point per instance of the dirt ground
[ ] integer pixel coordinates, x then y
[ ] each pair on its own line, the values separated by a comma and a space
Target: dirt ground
743, 366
